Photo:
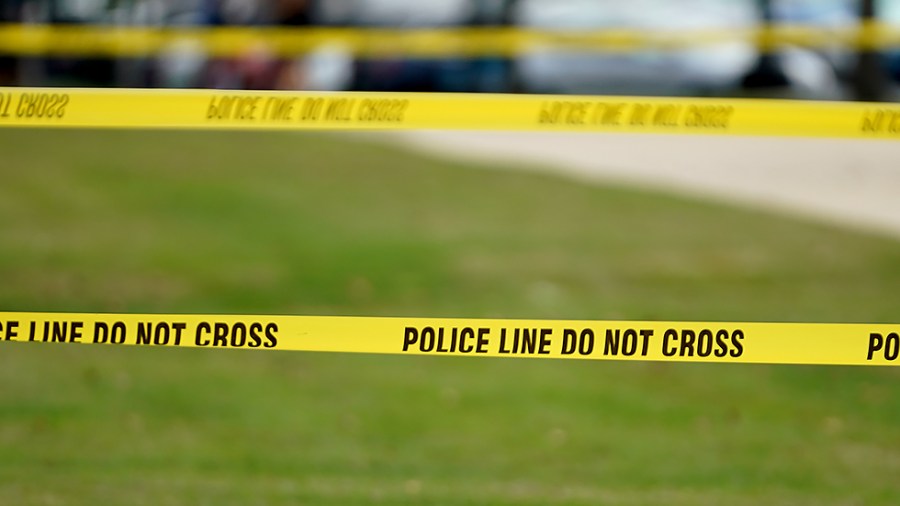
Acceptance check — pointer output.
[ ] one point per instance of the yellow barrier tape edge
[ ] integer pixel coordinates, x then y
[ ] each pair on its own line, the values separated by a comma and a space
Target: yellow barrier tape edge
272, 110
713, 342
124, 41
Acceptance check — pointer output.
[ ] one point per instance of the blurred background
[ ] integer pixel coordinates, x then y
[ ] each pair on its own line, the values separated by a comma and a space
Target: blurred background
448, 224
691, 47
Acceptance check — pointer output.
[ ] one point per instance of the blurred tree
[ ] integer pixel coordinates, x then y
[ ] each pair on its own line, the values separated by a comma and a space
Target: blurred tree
767, 73
868, 81
494, 74
10, 12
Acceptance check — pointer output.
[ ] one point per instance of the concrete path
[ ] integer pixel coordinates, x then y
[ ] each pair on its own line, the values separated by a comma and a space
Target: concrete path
844, 182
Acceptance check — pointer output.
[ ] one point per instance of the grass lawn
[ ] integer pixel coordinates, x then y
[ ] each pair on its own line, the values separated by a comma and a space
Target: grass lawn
320, 224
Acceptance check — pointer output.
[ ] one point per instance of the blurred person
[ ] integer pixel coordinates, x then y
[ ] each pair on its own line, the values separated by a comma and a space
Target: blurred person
326, 68
256, 66
186, 64
183, 62
236, 12
401, 73
294, 12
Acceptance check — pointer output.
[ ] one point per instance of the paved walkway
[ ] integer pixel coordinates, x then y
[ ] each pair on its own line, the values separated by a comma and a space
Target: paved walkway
845, 182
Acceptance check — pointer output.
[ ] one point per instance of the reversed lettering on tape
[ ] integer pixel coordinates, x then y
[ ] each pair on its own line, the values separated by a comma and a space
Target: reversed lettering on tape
321, 110
50, 106
630, 116
881, 121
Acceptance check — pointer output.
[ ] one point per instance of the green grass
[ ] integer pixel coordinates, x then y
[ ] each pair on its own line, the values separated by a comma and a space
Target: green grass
315, 224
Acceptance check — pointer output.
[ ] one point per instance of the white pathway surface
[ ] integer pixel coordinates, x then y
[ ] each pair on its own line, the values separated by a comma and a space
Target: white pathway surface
844, 182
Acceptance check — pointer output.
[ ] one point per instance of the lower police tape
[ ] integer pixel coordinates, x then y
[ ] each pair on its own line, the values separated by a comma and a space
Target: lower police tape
274, 110
724, 342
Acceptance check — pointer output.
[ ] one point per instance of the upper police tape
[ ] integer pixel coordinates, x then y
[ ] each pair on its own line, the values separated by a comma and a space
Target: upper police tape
724, 342
208, 109
130, 41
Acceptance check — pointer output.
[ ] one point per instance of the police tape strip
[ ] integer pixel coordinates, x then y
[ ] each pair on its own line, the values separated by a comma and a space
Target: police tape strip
722, 342
123, 41
272, 110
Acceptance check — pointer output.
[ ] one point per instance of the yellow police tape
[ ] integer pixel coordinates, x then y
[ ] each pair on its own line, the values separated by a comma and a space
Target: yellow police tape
122, 41
208, 109
724, 342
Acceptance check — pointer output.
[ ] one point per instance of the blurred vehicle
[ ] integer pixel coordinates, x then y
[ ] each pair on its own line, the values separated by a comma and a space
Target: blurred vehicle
704, 69
888, 12
839, 14
693, 70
